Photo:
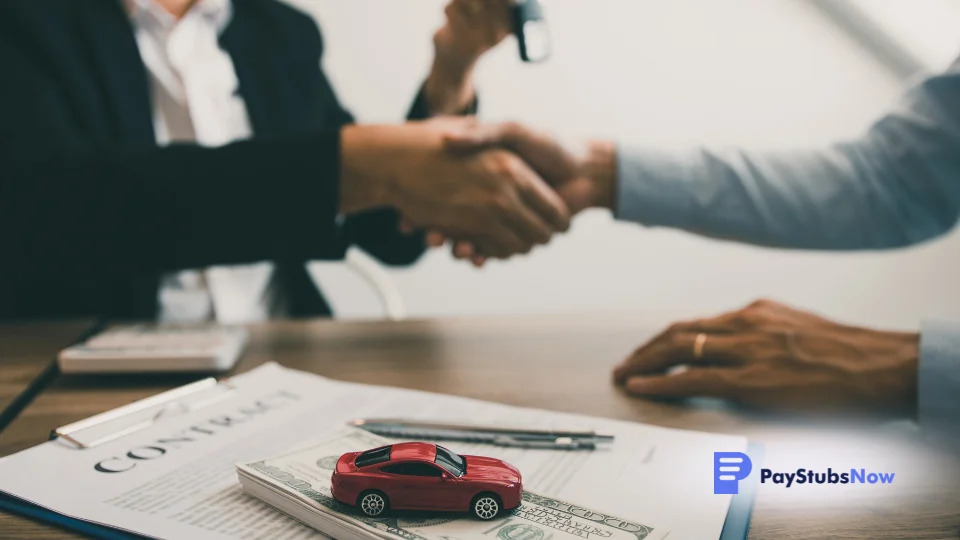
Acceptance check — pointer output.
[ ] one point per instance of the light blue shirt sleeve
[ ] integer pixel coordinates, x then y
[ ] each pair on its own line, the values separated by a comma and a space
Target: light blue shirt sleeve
897, 185
939, 377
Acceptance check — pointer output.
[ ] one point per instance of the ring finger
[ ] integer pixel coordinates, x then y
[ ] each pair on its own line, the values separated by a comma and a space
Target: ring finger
680, 348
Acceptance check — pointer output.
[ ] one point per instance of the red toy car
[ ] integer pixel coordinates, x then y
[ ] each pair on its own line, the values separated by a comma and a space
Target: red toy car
424, 476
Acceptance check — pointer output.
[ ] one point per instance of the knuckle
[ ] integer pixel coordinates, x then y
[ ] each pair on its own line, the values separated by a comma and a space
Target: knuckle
762, 303
753, 315
675, 328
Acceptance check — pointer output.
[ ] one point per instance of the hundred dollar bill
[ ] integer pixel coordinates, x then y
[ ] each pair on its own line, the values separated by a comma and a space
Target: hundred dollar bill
299, 484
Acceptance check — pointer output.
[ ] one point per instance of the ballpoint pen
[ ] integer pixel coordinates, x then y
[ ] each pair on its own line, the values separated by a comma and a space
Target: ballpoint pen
499, 436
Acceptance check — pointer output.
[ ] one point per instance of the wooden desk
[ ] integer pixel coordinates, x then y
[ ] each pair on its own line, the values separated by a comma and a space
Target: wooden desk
26, 350
560, 363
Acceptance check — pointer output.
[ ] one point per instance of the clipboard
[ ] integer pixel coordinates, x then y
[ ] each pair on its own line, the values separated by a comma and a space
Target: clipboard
38, 513
115, 424
737, 524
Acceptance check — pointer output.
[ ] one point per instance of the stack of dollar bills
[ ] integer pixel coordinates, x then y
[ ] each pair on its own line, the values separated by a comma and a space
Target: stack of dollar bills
298, 484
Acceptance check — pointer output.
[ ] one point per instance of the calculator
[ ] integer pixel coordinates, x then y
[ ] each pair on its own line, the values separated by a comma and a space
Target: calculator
156, 349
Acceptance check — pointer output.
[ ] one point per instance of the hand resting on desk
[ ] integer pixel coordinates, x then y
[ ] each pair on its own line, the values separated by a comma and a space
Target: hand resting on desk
771, 356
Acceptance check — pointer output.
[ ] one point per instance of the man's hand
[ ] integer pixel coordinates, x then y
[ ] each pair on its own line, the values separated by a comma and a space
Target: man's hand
583, 174
770, 356
472, 28
489, 198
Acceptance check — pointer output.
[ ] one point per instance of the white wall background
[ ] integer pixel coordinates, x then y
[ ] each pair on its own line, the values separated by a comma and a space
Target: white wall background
760, 73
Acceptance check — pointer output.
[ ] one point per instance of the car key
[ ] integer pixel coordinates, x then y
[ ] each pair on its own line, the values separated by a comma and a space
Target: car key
530, 27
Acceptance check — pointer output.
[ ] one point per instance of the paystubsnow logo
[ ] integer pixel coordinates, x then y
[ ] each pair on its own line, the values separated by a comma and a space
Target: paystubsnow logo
730, 468
804, 476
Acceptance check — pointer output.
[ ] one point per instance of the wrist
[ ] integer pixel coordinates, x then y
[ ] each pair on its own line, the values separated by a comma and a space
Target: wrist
451, 58
889, 379
449, 87
384, 166
449, 90
366, 180
600, 168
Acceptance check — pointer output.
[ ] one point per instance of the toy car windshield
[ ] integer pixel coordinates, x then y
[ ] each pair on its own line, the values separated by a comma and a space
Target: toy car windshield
452, 463
372, 457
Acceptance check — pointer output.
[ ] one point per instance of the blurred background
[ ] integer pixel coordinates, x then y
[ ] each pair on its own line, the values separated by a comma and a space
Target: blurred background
757, 73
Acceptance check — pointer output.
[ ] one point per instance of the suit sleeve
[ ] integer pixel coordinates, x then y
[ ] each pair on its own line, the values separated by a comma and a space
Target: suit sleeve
420, 110
68, 205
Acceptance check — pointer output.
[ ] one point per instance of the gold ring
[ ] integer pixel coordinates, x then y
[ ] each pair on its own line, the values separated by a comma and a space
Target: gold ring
698, 346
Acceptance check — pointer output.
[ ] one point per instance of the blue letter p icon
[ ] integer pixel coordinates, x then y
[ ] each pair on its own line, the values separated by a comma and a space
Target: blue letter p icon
728, 469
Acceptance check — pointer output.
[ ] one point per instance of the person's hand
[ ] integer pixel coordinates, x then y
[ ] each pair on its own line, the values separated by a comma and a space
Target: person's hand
490, 198
771, 356
583, 174
472, 28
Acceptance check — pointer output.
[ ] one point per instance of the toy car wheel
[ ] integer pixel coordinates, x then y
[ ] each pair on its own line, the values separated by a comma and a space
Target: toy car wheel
486, 506
373, 503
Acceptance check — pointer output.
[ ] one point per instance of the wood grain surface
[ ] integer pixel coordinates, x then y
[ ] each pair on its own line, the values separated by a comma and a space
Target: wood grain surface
564, 363
26, 349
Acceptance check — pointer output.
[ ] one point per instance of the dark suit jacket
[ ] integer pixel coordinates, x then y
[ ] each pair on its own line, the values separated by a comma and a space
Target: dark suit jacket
92, 211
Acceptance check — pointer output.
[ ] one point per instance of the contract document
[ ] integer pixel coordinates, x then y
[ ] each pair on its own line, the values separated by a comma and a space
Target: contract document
176, 477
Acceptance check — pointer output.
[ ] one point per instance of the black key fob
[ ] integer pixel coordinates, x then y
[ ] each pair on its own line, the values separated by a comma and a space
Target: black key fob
530, 27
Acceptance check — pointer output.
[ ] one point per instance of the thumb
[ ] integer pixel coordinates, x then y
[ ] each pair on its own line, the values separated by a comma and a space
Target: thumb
480, 136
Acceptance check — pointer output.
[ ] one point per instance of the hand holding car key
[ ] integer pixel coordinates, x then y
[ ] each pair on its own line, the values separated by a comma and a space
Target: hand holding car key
474, 27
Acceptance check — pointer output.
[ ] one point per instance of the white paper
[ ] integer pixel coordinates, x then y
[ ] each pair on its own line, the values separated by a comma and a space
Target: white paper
176, 479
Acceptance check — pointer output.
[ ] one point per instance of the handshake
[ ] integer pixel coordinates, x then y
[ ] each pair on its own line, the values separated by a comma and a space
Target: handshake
496, 190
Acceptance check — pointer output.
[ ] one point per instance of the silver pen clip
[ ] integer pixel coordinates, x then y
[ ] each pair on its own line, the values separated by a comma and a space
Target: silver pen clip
560, 443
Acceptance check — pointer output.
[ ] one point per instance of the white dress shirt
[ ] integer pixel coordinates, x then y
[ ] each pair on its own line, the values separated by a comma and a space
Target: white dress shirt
194, 97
